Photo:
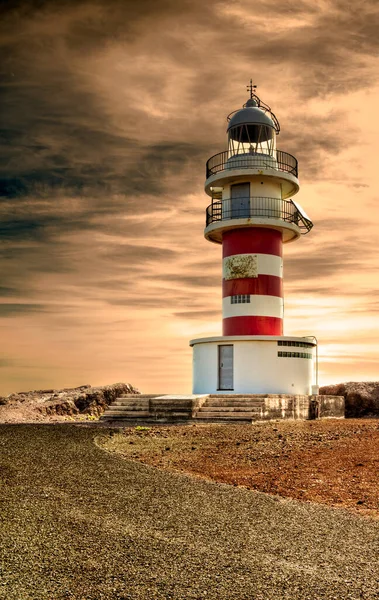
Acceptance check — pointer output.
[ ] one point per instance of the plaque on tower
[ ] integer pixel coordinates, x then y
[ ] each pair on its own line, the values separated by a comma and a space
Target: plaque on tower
240, 266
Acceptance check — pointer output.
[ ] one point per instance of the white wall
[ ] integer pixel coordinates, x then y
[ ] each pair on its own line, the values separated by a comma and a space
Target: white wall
257, 368
269, 189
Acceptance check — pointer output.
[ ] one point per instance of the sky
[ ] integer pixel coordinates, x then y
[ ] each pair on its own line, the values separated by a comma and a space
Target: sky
109, 112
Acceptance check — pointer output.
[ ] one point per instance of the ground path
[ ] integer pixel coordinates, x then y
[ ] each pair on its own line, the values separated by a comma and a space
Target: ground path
77, 522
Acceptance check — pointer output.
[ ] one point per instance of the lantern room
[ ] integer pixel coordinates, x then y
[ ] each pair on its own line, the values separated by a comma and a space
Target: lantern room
251, 131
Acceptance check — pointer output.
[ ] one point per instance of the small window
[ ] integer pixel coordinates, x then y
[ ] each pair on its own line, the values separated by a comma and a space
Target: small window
294, 355
294, 344
240, 299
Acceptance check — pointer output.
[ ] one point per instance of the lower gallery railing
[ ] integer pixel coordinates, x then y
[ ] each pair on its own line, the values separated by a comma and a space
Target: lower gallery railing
255, 206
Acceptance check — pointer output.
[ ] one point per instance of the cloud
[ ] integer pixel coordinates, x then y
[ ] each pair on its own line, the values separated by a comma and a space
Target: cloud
63, 135
198, 314
109, 111
12, 309
334, 248
133, 253
8, 291
326, 43
5, 363
203, 281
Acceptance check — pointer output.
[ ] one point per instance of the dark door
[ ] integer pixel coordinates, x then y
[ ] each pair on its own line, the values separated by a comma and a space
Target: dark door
225, 367
240, 201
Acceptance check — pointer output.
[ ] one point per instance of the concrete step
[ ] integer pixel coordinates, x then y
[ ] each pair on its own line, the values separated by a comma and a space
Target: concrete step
125, 414
169, 402
168, 412
130, 403
234, 402
234, 396
136, 396
240, 416
120, 409
229, 409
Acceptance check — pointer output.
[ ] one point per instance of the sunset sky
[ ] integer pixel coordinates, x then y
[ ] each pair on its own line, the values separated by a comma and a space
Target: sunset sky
109, 112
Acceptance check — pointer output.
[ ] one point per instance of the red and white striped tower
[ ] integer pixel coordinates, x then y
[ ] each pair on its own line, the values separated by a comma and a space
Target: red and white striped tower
252, 216
252, 304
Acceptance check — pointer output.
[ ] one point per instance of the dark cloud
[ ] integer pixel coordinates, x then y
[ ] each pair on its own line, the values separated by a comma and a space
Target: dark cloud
142, 302
13, 309
5, 363
336, 223
116, 285
136, 253
26, 228
326, 45
198, 314
204, 281
59, 136
8, 291
319, 290
326, 262
209, 266
334, 247
160, 298
60, 139
366, 306
314, 139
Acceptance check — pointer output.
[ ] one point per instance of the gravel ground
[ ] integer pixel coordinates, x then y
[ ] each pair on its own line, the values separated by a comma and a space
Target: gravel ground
77, 522
329, 461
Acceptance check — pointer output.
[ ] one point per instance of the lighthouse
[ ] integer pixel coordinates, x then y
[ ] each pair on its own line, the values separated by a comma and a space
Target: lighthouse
252, 215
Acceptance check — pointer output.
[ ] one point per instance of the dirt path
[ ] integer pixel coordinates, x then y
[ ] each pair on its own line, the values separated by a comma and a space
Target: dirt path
334, 462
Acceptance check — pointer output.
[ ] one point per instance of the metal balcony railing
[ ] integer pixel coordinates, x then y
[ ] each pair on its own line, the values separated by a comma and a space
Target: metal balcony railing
281, 161
257, 207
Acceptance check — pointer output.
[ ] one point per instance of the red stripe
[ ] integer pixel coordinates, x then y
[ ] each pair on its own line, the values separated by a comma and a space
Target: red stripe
252, 326
252, 240
265, 285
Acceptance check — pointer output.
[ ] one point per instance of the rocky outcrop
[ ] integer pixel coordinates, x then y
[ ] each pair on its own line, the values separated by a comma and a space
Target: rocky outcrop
84, 400
361, 397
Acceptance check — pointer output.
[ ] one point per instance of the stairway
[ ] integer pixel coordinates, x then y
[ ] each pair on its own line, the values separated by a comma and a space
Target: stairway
217, 408
166, 408
150, 407
128, 406
231, 407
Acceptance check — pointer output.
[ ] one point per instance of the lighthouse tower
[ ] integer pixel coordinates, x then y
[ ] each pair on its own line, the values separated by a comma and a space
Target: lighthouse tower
251, 215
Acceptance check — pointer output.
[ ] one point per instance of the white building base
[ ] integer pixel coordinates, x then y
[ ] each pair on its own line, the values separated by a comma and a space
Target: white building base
254, 365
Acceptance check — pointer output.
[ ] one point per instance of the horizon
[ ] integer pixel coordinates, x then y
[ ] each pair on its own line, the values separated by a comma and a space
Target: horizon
111, 110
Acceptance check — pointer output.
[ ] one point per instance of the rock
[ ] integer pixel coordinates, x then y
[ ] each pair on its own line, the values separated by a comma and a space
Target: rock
69, 401
94, 401
361, 397
60, 408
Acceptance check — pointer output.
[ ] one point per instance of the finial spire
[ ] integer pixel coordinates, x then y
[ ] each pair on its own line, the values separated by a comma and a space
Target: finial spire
251, 88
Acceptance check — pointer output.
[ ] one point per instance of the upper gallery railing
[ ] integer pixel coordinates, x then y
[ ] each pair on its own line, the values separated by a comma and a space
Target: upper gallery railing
281, 161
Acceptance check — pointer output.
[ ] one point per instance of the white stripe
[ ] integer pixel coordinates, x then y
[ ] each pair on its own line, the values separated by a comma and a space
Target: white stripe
259, 306
267, 264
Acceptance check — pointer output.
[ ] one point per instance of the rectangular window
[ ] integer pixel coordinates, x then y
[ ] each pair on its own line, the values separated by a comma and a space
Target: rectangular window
240, 299
295, 344
294, 355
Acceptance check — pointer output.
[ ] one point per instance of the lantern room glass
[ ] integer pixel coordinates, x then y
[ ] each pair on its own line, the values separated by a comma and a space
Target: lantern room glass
252, 139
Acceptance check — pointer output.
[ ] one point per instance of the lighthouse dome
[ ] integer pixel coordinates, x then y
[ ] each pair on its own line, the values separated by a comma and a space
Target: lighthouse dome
250, 115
